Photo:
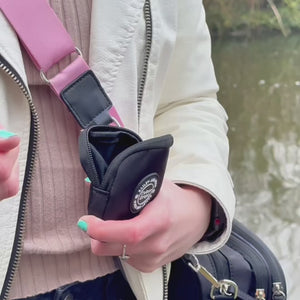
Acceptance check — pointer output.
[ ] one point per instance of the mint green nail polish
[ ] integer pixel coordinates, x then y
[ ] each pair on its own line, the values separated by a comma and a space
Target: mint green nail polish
87, 180
6, 134
82, 225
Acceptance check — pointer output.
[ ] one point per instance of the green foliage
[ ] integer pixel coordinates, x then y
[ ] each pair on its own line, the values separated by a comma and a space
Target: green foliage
291, 13
246, 17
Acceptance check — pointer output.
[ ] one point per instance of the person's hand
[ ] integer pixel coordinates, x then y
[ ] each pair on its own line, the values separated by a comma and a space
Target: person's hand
9, 167
166, 228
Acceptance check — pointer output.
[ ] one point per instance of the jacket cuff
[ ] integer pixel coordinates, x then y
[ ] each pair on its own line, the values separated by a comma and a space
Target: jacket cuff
217, 223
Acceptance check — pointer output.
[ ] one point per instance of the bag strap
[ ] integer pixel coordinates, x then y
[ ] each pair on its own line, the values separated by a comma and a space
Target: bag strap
47, 42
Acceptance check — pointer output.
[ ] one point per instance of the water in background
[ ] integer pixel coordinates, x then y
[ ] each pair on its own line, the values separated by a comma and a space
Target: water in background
260, 90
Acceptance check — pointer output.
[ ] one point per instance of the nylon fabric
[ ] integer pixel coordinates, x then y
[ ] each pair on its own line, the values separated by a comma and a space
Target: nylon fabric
31, 28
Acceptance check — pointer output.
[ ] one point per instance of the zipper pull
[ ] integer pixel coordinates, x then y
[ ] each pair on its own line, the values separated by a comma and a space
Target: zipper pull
260, 294
277, 290
225, 287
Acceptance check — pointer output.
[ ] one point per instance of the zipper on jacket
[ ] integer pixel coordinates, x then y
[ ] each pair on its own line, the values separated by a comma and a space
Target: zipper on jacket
148, 23
31, 157
165, 282
148, 44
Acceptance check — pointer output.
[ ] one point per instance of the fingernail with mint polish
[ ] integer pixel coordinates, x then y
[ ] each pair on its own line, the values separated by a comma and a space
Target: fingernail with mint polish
82, 225
6, 134
87, 180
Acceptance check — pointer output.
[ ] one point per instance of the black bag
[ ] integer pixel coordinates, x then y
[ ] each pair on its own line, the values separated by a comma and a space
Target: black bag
245, 268
126, 173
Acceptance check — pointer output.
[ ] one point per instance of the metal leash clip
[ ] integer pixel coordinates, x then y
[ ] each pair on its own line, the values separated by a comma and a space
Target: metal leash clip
224, 287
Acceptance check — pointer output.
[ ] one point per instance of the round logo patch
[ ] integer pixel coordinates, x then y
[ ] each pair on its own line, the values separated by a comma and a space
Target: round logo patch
144, 192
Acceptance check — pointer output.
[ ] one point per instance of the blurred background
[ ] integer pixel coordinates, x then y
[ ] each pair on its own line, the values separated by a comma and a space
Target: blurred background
256, 53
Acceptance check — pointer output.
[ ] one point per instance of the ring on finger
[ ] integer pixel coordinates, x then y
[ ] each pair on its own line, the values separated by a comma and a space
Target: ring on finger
124, 256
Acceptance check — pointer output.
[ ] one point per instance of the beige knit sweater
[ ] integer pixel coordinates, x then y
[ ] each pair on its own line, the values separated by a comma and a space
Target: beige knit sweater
55, 251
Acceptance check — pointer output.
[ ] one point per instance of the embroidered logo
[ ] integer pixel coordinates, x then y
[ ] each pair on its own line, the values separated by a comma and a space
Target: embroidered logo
145, 191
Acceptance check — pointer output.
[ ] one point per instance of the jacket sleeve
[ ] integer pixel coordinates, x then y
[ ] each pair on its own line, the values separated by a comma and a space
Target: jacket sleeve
189, 110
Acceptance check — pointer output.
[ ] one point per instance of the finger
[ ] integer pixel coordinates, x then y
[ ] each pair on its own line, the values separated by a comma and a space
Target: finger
107, 231
10, 187
7, 162
7, 144
131, 231
87, 180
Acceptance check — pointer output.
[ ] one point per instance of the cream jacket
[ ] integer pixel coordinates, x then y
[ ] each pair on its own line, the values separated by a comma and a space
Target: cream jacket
179, 98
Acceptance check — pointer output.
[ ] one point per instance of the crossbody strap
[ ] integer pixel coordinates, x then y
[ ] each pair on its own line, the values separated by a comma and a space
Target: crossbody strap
47, 42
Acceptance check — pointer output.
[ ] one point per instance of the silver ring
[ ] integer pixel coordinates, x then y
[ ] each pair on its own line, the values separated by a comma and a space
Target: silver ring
44, 77
116, 121
124, 256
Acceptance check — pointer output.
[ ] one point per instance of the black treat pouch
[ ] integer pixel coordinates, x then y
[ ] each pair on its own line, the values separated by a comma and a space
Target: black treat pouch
125, 172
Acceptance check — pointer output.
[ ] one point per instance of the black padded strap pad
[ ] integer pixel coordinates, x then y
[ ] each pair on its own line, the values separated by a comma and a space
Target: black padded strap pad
87, 101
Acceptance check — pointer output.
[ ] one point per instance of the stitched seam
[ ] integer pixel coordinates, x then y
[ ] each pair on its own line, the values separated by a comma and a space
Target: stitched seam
107, 194
119, 48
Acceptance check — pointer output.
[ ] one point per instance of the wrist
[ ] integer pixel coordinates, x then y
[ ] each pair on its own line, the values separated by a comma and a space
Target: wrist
216, 222
204, 204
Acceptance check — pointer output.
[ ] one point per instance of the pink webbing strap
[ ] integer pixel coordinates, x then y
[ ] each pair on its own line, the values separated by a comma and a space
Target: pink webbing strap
46, 41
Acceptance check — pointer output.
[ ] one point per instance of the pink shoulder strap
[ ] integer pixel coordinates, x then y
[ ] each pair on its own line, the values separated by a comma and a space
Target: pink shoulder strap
47, 42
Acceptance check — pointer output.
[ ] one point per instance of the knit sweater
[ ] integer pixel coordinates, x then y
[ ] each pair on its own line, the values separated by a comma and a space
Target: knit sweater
55, 251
